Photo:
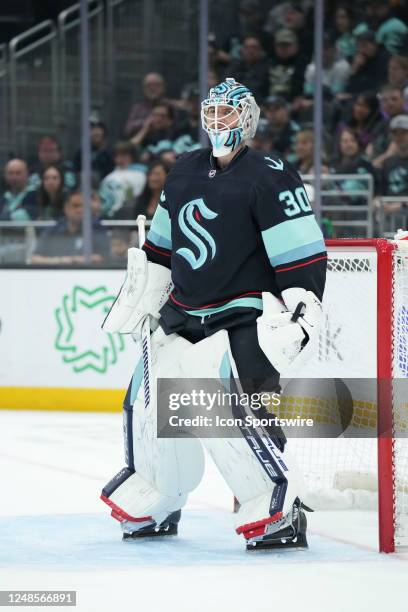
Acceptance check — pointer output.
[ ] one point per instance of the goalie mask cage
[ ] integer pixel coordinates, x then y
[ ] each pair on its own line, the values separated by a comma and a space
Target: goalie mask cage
364, 337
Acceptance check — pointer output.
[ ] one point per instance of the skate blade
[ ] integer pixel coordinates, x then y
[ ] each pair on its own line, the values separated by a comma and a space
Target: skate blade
263, 547
150, 538
151, 535
274, 549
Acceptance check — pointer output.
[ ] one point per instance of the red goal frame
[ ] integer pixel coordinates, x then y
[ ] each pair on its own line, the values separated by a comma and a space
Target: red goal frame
385, 443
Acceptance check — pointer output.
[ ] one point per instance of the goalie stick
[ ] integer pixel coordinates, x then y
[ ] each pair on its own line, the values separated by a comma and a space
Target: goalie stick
145, 331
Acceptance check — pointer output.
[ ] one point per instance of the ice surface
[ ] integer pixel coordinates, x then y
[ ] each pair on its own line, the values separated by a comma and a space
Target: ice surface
56, 534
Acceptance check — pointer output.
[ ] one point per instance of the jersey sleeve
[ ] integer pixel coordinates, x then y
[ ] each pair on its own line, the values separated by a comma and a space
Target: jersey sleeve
291, 236
158, 241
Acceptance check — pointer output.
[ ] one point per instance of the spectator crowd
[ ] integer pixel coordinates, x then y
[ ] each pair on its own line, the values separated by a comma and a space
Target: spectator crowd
365, 109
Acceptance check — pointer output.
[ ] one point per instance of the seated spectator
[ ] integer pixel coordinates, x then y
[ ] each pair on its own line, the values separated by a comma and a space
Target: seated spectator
157, 133
51, 193
287, 69
96, 206
49, 154
251, 23
19, 202
364, 118
390, 31
275, 19
63, 243
252, 67
187, 136
394, 176
154, 91
351, 160
347, 32
398, 74
335, 71
101, 156
119, 245
282, 129
392, 104
295, 17
304, 147
217, 59
262, 141
368, 69
149, 199
120, 188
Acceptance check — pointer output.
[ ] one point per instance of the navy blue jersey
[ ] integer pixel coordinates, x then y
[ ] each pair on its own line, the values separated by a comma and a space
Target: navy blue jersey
230, 234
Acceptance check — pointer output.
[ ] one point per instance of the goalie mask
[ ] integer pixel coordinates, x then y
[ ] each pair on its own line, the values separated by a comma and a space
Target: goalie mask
229, 116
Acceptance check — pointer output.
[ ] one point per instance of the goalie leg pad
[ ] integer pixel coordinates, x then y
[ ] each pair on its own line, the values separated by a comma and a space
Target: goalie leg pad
133, 500
262, 477
160, 471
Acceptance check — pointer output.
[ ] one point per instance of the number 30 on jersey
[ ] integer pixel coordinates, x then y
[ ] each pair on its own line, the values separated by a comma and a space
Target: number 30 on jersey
295, 202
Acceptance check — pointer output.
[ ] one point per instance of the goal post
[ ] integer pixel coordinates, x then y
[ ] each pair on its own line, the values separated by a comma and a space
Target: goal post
384, 280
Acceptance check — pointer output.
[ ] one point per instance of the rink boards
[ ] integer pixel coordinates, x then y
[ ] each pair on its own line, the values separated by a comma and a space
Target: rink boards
53, 353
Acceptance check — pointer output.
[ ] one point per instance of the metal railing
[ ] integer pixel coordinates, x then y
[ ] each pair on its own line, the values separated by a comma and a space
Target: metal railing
351, 210
33, 84
39, 83
4, 102
69, 63
392, 214
18, 239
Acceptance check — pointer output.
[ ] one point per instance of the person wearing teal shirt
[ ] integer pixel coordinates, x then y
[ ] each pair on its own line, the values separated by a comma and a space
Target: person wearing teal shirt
346, 41
19, 202
390, 31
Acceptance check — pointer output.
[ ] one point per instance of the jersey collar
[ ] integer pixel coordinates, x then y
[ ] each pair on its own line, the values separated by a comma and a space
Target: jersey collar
233, 162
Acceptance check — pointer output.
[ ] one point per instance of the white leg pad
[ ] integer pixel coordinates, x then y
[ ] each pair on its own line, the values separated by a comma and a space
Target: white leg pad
165, 470
143, 503
265, 480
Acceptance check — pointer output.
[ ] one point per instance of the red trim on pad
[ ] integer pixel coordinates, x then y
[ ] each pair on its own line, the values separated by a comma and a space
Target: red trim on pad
120, 515
252, 530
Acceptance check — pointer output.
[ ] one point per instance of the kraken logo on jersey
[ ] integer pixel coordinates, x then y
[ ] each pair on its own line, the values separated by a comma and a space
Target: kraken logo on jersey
188, 218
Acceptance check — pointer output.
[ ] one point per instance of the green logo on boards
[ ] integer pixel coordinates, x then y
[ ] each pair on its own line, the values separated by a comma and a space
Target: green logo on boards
84, 346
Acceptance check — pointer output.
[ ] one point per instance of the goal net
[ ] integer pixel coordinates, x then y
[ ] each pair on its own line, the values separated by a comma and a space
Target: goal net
363, 342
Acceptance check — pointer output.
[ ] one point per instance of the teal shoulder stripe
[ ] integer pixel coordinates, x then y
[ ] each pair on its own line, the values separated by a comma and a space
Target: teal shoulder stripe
290, 235
161, 227
158, 240
299, 253
239, 302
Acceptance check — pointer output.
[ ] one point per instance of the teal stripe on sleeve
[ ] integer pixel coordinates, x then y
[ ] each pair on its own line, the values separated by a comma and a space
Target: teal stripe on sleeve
160, 229
298, 253
293, 239
158, 240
